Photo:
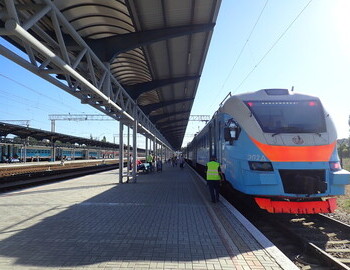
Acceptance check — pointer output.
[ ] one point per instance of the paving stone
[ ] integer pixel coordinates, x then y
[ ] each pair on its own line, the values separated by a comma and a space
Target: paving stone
161, 222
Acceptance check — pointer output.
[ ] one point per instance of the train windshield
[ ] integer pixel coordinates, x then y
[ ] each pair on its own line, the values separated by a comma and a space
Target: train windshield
289, 116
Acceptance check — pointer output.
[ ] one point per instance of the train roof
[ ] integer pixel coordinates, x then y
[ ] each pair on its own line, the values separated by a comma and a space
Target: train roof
273, 94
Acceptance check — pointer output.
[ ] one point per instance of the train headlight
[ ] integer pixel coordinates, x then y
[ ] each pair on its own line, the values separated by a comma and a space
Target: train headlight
260, 166
335, 166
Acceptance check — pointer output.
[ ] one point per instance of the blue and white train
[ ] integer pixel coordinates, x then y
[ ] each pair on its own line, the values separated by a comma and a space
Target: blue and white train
278, 148
11, 152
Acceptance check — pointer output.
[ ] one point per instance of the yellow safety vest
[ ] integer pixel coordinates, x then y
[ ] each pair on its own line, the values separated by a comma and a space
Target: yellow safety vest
213, 170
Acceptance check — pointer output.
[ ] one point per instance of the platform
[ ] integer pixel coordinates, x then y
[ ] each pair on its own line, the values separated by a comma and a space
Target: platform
164, 221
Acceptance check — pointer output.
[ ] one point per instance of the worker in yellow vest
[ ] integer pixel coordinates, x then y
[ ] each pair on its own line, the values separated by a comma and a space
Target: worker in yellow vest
214, 177
149, 160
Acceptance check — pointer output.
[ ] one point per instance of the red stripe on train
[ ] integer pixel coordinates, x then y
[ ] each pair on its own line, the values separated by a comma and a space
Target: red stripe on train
280, 153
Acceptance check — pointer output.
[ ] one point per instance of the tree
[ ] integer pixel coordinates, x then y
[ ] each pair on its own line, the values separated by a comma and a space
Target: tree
104, 139
17, 139
32, 141
343, 149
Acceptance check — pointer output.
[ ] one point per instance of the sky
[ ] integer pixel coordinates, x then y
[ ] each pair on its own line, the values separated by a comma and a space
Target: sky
259, 44
256, 44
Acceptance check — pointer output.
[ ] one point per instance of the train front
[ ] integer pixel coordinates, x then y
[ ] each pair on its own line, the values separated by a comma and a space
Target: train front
289, 145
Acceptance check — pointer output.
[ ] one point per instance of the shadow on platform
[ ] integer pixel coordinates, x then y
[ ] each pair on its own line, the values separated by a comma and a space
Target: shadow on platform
160, 218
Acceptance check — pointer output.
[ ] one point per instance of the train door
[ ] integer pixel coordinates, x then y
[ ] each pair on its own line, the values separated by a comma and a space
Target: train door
212, 139
5, 152
219, 140
16, 152
195, 157
10, 151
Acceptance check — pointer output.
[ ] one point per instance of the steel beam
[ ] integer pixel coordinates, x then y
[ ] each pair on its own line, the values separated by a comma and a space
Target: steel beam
108, 48
137, 89
147, 109
165, 124
156, 118
43, 51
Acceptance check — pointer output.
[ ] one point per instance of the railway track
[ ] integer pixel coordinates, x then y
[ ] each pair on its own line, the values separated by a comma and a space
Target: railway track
26, 168
322, 234
19, 176
310, 241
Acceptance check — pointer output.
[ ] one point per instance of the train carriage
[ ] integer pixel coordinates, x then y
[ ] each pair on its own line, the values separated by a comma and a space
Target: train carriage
35, 153
13, 152
276, 146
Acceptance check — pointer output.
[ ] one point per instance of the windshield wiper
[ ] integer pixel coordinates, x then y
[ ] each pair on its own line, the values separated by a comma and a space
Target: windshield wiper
301, 131
273, 135
286, 130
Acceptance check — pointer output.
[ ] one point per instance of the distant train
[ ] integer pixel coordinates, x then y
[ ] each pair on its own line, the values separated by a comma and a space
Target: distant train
277, 148
14, 152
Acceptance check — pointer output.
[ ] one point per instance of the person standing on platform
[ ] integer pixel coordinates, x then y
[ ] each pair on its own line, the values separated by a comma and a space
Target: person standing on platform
214, 177
159, 165
131, 160
149, 160
181, 161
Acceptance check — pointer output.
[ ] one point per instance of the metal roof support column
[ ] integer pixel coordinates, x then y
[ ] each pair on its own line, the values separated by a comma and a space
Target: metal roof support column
53, 125
165, 153
154, 146
128, 154
160, 150
53, 158
24, 154
134, 146
159, 154
26, 142
146, 153
155, 149
121, 153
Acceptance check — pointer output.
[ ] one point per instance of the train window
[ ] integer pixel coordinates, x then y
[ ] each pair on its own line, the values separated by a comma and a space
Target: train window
299, 116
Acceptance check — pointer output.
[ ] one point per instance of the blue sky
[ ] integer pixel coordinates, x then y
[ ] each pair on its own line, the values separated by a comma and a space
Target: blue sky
309, 50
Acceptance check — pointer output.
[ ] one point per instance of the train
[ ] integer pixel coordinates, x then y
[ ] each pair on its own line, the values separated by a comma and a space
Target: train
277, 149
11, 152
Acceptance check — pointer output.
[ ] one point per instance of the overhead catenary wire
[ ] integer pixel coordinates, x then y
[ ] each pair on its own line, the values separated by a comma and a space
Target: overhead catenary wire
35, 91
241, 51
273, 46
245, 44
33, 106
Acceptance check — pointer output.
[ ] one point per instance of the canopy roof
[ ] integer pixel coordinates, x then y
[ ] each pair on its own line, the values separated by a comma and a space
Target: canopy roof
154, 48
